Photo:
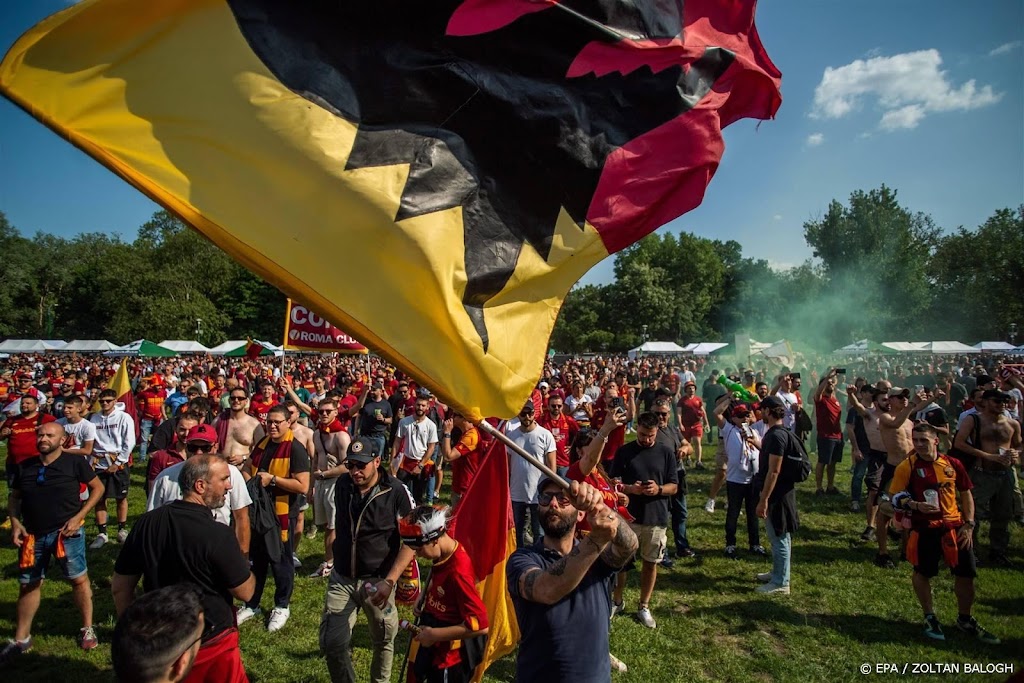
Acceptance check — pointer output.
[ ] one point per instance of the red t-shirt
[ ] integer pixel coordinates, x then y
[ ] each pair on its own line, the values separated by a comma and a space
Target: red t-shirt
564, 429
464, 468
21, 445
152, 401
692, 410
452, 599
827, 414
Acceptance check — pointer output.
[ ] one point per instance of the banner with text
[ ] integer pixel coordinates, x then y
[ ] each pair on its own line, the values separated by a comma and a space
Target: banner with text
304, 330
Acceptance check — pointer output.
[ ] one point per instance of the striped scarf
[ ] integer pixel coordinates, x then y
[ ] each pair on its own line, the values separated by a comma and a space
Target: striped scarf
278, 463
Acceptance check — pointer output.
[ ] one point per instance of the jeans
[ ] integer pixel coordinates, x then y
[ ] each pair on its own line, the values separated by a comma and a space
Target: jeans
342, 603
857, 482
146, 433
679, 516
782, 547
519, 516
283, 570
743, 496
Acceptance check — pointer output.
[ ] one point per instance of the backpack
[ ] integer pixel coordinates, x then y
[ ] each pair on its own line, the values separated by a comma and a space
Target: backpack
796, 465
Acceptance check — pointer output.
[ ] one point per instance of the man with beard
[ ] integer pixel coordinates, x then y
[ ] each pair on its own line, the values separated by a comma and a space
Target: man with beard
181, 543
559, 585
47, 514
236, 428
413, 452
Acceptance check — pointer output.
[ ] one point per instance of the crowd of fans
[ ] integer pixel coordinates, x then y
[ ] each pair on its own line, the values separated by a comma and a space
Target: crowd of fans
235, 450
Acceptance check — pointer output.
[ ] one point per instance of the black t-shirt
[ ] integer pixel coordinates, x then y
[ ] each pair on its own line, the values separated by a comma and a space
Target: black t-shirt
181, 543
368, 423
636, 464
47, 505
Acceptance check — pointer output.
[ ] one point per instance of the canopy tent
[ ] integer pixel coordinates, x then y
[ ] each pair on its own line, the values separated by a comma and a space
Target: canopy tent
267, 350
141, 347
948, 347
653, 348
993, 346
221, 349
906, 347
89, 346
184, 346
862, 347
705, 348
32, 345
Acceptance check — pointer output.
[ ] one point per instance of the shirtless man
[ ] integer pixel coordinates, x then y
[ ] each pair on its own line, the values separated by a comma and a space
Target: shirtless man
897, 436
330, 443
237, 434
992, 472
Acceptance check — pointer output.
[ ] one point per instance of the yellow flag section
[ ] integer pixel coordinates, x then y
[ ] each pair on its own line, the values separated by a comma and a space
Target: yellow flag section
170, 96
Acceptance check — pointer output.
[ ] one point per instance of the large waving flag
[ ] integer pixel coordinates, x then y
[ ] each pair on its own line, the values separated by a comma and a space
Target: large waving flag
483, 524
433, 176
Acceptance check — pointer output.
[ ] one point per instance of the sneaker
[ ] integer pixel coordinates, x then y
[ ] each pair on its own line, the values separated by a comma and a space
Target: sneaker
643, 615
101, 540
278, 618
296, 561
87, 638
617, 664
759, 550
972, 626
868, 534
685, 553
765, 577
710, 505
245, 613
323, 570
667, 562
730, 552
932, 627
772, 589
13, 648
122, 535
884, 561
618, 608
854, 506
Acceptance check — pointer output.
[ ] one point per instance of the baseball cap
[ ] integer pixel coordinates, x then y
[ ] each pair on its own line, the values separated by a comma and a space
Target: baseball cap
769, 402
203, 432
996, 394
363, 450
898, 391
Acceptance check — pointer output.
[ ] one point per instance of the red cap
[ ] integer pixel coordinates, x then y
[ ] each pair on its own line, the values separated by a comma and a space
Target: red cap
203, 432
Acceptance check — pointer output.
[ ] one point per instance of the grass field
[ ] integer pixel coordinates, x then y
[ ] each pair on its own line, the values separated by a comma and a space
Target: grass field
844, 613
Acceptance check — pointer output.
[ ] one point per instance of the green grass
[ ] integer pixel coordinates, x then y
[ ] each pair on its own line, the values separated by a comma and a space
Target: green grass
843, 612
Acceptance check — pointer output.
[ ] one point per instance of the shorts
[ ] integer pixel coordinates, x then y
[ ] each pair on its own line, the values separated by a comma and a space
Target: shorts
693, 431
873, 474
721, 459
115, 485
653, 541
830, 451
324, 509
72, 565
929, 552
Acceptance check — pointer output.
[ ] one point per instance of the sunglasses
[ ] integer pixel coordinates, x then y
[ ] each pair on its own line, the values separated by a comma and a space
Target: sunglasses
198, 447
546, 497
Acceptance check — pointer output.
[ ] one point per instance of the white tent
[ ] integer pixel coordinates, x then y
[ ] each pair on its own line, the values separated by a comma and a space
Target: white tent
949, 347
31, 345
654, 348
221, 349
89, 346
993, 346
906, 347
184, 346
704, 348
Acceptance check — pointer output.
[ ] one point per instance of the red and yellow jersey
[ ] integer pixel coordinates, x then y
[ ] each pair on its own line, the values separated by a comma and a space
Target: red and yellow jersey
945, 475
452, 599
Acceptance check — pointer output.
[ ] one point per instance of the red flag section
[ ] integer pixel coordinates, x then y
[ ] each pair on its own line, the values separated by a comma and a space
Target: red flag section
483, 525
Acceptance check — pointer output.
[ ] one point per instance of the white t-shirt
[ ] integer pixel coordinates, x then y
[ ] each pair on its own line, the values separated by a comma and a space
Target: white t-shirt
81, 432
166, 490
417, 436
524, 477
742, 457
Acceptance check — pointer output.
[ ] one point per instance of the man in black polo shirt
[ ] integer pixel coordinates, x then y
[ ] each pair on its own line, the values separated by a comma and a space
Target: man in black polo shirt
650, 478
559, 586
182, 543
46, 516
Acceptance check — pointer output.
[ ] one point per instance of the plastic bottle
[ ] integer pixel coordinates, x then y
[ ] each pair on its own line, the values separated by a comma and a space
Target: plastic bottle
737, 388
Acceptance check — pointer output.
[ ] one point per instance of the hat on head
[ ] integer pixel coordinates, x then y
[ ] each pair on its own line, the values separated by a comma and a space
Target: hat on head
769, 402
363, 450
898, 391
203, 432
996, 394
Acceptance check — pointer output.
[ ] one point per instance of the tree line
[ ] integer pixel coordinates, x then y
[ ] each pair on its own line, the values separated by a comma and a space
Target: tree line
879, 271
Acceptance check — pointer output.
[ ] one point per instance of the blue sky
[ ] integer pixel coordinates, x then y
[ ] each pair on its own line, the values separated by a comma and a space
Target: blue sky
925, 97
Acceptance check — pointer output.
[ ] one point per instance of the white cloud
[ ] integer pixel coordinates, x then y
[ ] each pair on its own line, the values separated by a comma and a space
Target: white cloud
1005, 49
907, 88
815, 139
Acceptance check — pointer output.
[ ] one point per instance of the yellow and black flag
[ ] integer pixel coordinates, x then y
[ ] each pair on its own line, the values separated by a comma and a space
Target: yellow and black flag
432, 176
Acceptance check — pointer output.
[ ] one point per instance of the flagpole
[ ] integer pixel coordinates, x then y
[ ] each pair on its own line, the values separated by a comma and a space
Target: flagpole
502, 437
